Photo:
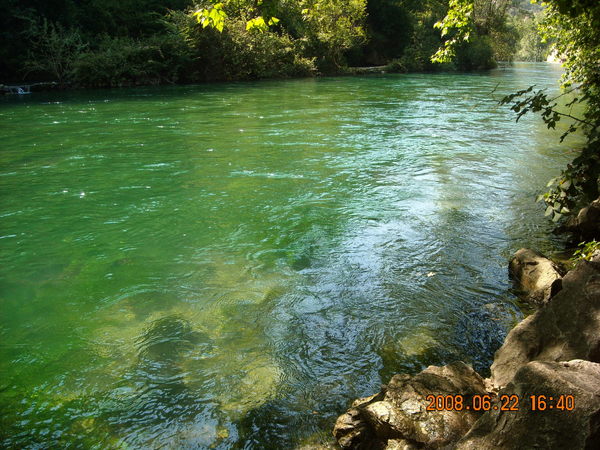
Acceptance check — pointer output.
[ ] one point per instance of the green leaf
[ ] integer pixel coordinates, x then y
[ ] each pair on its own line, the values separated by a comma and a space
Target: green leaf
258, 24
549, 210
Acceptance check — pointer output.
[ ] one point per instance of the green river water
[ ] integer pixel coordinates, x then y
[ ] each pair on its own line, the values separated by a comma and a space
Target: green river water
229, 265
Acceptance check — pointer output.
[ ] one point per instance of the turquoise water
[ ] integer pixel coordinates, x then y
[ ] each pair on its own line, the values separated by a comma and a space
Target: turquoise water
229, 265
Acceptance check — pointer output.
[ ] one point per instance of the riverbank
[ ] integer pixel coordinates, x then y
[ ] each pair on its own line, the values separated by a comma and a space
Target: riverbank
544, 388
23, 87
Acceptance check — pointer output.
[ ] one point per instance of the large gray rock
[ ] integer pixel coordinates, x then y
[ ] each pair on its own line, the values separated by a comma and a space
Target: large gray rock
398, 416
586, 225
550, 429
536, 277
567, 328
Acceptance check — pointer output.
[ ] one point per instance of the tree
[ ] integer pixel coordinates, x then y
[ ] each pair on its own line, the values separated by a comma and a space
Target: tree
336, 25
54, 49
329, 27
257, 14
482, 22
531, 46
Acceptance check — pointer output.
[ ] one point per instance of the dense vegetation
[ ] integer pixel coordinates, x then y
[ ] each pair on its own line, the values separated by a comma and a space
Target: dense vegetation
132, 42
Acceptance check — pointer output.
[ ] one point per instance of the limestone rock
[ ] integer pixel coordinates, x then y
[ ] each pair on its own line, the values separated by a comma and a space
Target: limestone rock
586, 225
434, 428
400, 444
567, 328
399, 416
383, 419
352, 431
535, 276
552, 428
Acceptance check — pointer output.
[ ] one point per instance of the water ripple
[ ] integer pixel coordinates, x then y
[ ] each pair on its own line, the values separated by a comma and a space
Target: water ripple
227, 265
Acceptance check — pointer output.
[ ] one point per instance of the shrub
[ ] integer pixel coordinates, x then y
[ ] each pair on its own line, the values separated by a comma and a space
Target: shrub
586, 251
255, 54
239, 54
54, 50
477, 54
395, 66
121, 61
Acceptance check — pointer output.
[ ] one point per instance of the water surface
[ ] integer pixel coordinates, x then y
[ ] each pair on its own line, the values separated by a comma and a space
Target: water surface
229, 265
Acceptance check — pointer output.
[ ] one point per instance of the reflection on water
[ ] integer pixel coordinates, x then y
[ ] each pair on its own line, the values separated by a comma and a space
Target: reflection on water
227, 265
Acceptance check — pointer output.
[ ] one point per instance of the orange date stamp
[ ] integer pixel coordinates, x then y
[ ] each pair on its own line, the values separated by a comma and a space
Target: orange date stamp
503, 402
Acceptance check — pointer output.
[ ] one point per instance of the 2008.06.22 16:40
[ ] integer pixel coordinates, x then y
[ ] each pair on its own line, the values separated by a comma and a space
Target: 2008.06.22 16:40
503, 402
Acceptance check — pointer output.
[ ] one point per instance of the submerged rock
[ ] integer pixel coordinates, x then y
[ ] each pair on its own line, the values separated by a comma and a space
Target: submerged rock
554, 427
536, 277
397, 417
167, 338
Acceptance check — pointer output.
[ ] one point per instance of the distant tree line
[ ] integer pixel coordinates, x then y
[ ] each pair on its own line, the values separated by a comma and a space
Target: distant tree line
97, 43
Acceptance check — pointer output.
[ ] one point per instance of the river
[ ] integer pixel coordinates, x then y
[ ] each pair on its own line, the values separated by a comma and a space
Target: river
228, 265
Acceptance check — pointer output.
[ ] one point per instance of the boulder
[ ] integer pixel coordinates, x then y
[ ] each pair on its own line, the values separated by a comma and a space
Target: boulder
586, 225
351, 429
553, 428
567, 328
400, 444
536, 277
398, 418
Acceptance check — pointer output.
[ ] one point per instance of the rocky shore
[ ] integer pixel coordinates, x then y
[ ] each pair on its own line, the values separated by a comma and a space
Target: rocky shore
544, 388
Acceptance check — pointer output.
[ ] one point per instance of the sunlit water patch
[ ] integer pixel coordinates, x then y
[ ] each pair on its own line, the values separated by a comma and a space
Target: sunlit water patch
228, 265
